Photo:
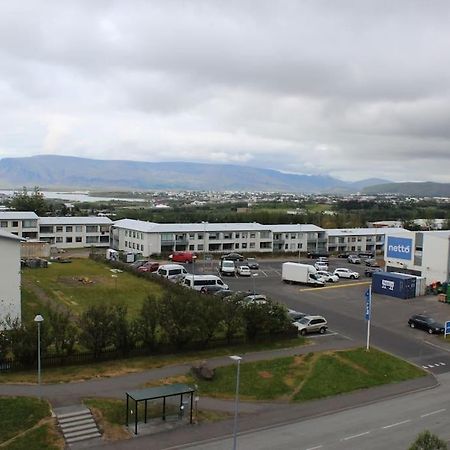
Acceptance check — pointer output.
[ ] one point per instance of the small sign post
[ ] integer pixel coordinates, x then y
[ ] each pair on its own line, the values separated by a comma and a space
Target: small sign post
368, 313
447, 328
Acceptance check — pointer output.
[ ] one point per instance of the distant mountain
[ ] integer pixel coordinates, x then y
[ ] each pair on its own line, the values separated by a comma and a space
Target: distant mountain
423, 189
51, 171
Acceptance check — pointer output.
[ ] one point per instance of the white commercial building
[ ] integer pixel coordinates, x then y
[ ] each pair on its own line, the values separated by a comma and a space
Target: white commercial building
422, 253
148, 238
10, 304
75, 232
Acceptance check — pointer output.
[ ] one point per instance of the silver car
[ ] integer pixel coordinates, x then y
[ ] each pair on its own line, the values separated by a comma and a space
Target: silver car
311, 324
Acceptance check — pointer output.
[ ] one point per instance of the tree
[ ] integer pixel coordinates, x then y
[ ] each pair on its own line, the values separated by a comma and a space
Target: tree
209, 317
232, 319
148, 321
96, 325
33, 201
428, 441
123, 336
63, 333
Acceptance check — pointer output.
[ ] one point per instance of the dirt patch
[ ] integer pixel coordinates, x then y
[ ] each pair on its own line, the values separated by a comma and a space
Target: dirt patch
183, 379
110, 432
265, 374
350, 363
77, 281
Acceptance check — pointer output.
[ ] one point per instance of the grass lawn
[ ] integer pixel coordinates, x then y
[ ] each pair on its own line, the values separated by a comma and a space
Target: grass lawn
85, 282
310, 376
131, 365
26, 424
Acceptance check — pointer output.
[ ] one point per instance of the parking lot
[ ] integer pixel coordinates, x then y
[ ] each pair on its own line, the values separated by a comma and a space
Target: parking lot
343, 305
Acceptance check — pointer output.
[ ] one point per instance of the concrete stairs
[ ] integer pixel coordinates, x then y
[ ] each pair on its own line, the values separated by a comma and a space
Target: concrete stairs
77, 424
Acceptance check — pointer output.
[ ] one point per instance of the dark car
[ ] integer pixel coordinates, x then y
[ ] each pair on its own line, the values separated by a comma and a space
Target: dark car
369, 271
252, 263
223, 293
426, 323
138, 263
343, 255
371, 262
365, 254
318, 254
149, 266
233, 257
211, 289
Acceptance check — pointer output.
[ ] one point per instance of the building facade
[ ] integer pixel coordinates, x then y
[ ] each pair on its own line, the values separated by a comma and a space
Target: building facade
20, 223
10, 297
298, 237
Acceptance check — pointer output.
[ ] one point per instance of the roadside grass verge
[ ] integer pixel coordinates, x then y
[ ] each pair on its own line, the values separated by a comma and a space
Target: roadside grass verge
106, 369
26, 424
308, 377
110, 414
85, 282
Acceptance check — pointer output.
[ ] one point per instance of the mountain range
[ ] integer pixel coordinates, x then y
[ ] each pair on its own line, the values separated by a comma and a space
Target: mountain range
52, 171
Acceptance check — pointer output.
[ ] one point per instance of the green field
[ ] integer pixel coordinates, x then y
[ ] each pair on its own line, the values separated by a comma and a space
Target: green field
310, 376
26, 424
82, 283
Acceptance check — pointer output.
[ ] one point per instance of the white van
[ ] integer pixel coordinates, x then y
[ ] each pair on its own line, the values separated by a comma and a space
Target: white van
198, 281
173, 272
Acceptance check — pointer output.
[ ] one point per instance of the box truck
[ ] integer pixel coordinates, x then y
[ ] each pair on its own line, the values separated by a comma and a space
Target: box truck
301, 273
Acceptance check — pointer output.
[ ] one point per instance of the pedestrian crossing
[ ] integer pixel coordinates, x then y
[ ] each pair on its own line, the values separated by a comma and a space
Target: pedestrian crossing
433, 366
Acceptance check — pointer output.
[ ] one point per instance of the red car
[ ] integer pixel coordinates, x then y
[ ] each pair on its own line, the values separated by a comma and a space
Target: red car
182, 257
149, 266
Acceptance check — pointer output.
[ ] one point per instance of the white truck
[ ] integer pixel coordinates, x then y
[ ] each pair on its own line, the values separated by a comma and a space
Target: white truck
227, 267
301, 273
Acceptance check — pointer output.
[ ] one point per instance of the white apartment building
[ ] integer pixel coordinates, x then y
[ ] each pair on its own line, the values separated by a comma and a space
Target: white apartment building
422, 253
20, 223
10, 300
298, 237
152, 238
75, 232
348, 240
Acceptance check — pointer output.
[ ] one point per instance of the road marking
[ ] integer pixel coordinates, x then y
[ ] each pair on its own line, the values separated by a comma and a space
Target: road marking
315, 448
277, 271
355, 436
442, 364
437, 346
264, 273
334, 333
336, 286
396, 424
433, 412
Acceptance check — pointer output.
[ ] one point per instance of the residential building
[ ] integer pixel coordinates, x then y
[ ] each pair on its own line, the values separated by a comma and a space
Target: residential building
75, 232
298, 237
10, 304
21, 223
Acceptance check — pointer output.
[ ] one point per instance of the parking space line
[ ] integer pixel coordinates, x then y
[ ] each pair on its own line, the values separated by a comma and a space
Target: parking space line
264, 273
396, 424
355, 436
433, 412
336, 286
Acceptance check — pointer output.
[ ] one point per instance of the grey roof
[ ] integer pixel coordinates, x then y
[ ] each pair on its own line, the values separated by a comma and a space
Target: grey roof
364, 231
160, 391
78, 220
5, 235
295, 228
17, 215
152, 227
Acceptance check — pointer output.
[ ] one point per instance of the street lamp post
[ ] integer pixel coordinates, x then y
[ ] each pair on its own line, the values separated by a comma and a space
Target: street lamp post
298, 243
254, 275
39, 319
204, 244
236, 403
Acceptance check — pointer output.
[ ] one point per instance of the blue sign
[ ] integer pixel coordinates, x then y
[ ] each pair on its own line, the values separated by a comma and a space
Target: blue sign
447, 328
399, 248
368, 296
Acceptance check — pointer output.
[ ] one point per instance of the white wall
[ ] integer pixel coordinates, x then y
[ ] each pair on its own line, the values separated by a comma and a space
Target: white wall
435, 260
10, 303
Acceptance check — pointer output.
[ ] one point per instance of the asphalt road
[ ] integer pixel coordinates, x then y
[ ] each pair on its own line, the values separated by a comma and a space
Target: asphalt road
343, 306
389, 424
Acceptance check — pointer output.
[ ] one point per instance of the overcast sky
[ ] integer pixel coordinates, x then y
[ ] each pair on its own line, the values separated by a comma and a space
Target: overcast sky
353, 89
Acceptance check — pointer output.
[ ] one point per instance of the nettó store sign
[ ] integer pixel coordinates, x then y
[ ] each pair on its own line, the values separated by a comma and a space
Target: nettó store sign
399, 248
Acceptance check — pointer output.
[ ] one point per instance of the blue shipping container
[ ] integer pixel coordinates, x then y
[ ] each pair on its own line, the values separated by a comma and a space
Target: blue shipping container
394, 284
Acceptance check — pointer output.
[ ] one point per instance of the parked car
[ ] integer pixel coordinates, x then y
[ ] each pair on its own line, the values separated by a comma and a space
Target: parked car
366, 254
371, 262
243, 271
212, 289
295, 316
323, 259
328, 276
138, 263
148, 266
318, 254
233, 257
321, 266
354, 259
343, 272
182, 257
223, 293
426, 323
252, 263
371, 270
343, 255
255, 298
311, 324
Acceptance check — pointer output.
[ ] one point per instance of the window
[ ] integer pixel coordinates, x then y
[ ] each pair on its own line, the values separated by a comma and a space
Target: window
15, 223
4, 224
134, 234
200, 247
244, 235
69, 239
299, 246
79, 228
191, 235
236, 235
227, 235
46, 229
199, 235
69, 229
59, 228
252, 235
236, 246
126, 243
213, 236
264, 234
78, 239
91, 239
104, 238
286, 236
252, 245
29, 223
353, 239
59, 239
244, 245
134, 247
142, 247
91, 228
293, 235
126, 233
191, 247
166, 236
286, 246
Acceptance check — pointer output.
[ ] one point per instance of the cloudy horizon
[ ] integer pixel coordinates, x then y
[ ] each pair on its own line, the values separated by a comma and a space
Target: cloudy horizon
353, 89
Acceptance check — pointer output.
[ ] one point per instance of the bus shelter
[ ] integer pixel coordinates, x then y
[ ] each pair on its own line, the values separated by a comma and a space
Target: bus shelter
155, 393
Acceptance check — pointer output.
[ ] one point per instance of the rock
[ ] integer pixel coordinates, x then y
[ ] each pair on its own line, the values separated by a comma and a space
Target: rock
203, 371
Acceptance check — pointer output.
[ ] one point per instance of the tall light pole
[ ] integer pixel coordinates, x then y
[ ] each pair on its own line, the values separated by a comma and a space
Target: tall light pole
236, 402
254, 275
298, 243
39, 319
204, 243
